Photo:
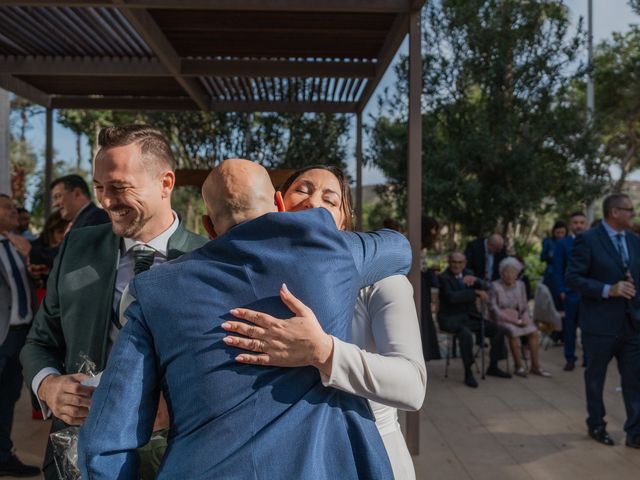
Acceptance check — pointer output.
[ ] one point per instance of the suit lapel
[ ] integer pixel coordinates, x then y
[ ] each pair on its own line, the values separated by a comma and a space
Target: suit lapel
177, 244
608, 245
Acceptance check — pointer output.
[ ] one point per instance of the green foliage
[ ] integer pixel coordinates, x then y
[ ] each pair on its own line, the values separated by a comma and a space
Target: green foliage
203, 139
617, 95
502, 133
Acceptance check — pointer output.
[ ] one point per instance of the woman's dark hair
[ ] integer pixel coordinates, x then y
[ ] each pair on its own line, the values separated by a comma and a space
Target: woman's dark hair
428, 225
345, 191
54, 222
557, 225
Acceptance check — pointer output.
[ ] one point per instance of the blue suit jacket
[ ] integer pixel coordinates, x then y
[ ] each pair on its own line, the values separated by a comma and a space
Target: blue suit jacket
230, 420
595, 262
559, 263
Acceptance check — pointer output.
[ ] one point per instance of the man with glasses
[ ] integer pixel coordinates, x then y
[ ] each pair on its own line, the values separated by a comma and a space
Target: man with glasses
604, 268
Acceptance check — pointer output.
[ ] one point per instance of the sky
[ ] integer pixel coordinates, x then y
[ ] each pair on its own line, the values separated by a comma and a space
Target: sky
608, 16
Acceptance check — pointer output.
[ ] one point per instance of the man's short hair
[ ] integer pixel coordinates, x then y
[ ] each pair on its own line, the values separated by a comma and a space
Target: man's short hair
154, 147
23, 210
456, 252
613, 201
4, 195
577, 213
71, 182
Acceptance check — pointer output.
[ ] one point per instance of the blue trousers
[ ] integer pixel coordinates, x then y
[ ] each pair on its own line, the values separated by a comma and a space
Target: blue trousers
10, 386
570, 327
626, 349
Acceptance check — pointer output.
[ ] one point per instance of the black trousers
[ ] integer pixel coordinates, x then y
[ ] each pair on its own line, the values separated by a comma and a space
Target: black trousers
10, 385
601, 350
472, 325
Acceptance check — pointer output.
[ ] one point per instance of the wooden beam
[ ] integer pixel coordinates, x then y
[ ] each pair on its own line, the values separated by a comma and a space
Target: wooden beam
123, 103
396, 34
414, 191
87, 66
196, 177
359, 172
91, 66
184, 103
356, 6
151, 33
48, 162
277, 68
24, 90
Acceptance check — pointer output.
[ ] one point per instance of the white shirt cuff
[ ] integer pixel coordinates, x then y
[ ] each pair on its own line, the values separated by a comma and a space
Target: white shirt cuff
605, 291
35, 385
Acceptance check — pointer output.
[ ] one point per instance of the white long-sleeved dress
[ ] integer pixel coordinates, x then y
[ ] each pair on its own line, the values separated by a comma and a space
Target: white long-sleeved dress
384, 362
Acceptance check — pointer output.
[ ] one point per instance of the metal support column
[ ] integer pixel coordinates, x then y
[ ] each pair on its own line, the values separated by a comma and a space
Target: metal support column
359, 171
414, 189
48, 163
5, 149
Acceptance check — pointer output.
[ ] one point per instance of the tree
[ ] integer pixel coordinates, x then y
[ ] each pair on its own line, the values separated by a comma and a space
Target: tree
617, 95
502, 134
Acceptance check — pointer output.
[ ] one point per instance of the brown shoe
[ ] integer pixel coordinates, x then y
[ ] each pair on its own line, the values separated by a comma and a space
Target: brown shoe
569, 366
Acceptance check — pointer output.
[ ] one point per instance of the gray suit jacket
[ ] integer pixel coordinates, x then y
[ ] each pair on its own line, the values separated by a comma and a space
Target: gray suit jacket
5, 300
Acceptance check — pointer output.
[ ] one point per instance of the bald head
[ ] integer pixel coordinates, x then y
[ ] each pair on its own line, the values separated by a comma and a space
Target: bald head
235, 191
495, 243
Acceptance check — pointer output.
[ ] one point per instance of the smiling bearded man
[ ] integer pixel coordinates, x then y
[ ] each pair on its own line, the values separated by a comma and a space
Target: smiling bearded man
133, 178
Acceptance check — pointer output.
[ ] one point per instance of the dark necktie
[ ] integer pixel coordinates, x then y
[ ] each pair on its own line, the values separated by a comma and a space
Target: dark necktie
143, 258
142, 261
17, 278
621, 250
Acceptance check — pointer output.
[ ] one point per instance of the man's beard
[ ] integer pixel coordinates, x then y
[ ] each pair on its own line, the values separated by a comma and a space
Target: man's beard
131, 229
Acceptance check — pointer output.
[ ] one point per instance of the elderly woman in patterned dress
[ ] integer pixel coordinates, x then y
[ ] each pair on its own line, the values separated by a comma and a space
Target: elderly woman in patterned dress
509, 308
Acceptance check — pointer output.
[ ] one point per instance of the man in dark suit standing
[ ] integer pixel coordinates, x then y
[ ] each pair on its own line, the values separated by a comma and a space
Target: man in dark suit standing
604, 268
133, 177
17, 302
484, 256
569, 298
70, 195
458, 314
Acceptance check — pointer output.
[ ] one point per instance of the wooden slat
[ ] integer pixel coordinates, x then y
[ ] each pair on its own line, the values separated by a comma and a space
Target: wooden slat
384, 6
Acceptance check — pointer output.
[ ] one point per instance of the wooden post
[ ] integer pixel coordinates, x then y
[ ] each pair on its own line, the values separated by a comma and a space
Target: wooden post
48, 163
359, 171
5, 157
414, 188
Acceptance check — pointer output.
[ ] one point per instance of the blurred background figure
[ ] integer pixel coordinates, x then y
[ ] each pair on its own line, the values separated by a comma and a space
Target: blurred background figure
484, 255
45, 248
70, 195
430, 347
24, 219
569, 298
558, 232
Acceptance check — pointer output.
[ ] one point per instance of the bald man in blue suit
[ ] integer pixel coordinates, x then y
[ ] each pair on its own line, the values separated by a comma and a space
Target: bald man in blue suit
230, 420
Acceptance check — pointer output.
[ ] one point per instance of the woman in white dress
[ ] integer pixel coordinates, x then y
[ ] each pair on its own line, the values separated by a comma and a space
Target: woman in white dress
383, 360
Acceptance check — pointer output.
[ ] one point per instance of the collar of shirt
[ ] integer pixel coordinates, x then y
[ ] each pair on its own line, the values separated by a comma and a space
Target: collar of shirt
610, 231
159, 244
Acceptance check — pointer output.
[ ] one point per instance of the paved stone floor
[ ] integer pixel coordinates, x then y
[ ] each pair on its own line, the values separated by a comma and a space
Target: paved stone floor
523, 428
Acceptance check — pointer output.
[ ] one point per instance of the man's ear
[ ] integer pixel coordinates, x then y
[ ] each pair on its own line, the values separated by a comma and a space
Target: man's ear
208, 226
279, 201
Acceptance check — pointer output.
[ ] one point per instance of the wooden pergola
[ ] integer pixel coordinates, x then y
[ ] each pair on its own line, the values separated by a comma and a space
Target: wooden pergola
218, 55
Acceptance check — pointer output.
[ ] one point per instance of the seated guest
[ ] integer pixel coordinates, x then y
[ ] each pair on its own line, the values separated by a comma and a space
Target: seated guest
484, 256
70, 194
510, 309
459, 314
229, 420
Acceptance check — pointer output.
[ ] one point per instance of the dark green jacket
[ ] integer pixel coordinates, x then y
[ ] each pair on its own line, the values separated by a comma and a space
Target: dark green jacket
75, 316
